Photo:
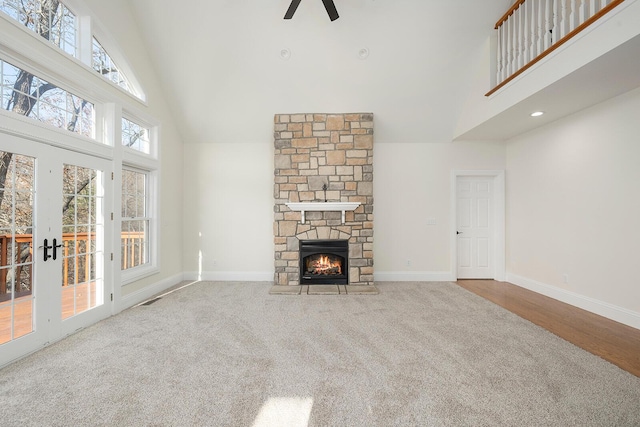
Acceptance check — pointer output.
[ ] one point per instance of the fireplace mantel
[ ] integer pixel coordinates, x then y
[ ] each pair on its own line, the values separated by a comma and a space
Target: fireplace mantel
323, 206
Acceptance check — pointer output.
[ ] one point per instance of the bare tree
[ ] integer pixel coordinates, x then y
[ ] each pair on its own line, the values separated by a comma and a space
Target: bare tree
27, 90
22, 98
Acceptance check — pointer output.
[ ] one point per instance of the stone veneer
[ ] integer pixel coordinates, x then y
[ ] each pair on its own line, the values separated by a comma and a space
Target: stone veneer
312, 150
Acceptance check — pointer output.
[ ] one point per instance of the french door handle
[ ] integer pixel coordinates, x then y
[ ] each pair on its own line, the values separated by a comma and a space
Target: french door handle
54, 241
55, 248
46, 249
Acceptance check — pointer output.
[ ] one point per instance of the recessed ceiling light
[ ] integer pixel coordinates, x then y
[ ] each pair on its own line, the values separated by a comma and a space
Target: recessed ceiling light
537, 113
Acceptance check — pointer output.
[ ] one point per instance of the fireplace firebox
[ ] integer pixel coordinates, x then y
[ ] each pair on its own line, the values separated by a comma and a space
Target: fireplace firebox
324, 262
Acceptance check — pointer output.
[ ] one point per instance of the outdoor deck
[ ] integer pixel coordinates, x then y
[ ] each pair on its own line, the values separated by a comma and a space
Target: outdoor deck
75, 300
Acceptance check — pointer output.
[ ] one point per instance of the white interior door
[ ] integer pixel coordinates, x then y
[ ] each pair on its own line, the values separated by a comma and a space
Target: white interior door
475, 234
53, 223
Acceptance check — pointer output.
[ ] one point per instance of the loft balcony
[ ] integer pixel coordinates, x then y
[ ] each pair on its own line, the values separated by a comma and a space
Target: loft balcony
532, 29
556, 56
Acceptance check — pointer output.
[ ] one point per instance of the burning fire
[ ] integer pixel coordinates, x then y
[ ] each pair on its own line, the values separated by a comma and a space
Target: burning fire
323, 264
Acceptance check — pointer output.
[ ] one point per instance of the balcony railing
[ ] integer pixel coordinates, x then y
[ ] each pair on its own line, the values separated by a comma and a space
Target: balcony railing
531, 29
76, 258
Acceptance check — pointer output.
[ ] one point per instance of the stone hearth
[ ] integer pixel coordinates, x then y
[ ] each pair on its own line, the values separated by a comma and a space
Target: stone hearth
313, 150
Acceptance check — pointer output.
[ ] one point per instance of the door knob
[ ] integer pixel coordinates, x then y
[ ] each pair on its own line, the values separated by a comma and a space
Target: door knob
457, 232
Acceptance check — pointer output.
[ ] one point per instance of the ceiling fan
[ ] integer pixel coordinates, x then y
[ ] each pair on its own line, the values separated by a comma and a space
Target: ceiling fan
328, 4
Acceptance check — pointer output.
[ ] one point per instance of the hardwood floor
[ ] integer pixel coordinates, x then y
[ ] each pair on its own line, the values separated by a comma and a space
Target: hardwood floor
613, 341
75, 299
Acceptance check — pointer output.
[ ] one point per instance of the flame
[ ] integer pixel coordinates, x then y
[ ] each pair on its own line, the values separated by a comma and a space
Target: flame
323, 263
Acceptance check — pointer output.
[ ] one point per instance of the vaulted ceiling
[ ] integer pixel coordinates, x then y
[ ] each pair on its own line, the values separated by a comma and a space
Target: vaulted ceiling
226, 63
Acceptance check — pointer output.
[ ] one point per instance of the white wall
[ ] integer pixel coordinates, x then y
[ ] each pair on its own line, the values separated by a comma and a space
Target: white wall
115, 16
411, 184
572, 206
229, 202
228, 217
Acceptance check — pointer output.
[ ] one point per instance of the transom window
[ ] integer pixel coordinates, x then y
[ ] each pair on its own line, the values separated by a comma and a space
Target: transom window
50, 19
135, 136
30, 96
54, 21
104, 65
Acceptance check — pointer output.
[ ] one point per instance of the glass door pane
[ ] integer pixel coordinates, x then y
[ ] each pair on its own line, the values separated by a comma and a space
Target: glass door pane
82, 230
17, 296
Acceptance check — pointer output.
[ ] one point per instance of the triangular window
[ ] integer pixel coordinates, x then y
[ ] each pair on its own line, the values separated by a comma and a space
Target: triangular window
104, 65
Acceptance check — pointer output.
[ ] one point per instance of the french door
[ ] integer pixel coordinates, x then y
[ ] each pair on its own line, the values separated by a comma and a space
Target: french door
53, 224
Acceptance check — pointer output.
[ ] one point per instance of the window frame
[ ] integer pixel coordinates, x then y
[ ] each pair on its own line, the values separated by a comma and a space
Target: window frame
123, 82
149, 159
41, 100
150, 267
86, 30
150, 140
135, 90
39, 131
29, 51
76, 26
149, 164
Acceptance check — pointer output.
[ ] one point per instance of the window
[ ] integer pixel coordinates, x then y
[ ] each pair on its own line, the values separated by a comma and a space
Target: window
54, 21
135, 136
47, 92
30, 96
139, 228
104, 65
136, 222
51, 20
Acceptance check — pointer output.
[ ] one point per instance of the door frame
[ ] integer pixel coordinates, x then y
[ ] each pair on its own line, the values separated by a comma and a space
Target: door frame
499, 249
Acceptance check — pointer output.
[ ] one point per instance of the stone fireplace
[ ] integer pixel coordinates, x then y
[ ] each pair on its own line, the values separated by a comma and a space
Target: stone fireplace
323, 190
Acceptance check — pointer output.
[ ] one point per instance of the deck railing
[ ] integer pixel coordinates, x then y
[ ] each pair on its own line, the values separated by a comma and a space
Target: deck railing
22, 241
76, 254
531, 29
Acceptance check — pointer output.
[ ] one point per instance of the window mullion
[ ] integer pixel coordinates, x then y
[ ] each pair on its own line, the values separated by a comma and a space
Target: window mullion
84, 39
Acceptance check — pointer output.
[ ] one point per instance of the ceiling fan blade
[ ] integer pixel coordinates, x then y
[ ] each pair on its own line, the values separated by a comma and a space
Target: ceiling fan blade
331, 9
292, 9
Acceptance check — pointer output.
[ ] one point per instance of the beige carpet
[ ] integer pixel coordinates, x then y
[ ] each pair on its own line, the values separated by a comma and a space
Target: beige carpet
230, 354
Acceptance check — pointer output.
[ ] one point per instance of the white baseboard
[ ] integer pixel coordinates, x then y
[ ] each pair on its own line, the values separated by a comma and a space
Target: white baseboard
267, 276
147, 292
610, 311
413, 276
231, 276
